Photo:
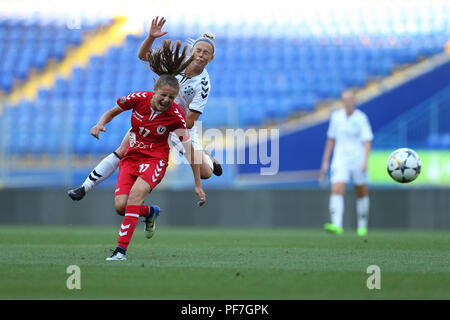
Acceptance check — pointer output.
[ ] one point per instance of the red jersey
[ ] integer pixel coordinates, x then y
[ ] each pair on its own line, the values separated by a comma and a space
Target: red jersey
149, 128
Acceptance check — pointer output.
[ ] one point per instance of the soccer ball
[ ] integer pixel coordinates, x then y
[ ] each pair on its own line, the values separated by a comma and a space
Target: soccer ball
404, 165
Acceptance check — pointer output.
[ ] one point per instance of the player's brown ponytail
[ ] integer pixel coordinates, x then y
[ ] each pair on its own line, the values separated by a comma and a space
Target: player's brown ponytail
167, 62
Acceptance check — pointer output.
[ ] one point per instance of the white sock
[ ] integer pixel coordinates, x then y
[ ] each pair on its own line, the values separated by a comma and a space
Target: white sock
337, 209
362, 211
102, 171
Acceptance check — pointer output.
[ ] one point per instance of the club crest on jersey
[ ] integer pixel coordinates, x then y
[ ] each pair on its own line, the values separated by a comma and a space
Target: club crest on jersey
161, 129
188, 90
123, 99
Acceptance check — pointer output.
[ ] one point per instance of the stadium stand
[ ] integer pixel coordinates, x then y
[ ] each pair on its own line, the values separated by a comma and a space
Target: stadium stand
260, 78
29, 43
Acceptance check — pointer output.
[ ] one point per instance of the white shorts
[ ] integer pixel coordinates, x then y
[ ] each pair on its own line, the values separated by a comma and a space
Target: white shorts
343, 173
176, 143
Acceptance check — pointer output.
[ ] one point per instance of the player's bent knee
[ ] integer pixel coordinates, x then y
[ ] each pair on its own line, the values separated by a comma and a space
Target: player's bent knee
120, 209
361, 191
338, 188
205, 172
119, 206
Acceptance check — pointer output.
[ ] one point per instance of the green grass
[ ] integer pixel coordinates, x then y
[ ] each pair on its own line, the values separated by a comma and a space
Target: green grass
182, 263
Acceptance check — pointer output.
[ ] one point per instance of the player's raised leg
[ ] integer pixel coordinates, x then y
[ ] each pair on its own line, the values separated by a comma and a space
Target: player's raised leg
213, 163
209, 165
101, 172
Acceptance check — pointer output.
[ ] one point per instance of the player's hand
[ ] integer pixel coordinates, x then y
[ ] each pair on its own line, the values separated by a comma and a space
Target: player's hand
364, 166
323, 172
156, 28
96, 130
201, 194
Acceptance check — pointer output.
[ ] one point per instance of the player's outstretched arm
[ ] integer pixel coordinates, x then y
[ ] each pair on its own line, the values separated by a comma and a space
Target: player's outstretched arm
195, 165
326, 158
104, 119
367, 149
191, 118
154, 32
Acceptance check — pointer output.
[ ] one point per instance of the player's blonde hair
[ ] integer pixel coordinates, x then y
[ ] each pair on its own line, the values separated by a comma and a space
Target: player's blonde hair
206, 37
167, 62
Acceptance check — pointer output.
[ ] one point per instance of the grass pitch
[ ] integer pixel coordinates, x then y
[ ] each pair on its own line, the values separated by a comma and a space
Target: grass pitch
215, 264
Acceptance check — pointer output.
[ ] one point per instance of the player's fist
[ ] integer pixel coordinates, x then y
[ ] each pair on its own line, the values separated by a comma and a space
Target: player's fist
364, 166
96, 130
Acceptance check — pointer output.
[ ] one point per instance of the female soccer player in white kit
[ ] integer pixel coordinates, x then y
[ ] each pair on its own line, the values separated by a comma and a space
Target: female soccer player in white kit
192, 98
350, 135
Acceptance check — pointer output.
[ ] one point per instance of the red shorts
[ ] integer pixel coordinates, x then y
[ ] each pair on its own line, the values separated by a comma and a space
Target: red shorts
152, 170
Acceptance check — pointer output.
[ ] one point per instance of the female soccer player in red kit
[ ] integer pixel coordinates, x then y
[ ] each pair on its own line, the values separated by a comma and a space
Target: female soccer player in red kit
154, 116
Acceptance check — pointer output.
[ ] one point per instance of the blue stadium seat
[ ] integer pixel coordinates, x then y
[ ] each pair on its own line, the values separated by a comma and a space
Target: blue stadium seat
269, 77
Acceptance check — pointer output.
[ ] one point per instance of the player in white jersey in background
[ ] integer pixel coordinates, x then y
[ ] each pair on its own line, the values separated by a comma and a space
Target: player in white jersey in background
194, 91
350, 135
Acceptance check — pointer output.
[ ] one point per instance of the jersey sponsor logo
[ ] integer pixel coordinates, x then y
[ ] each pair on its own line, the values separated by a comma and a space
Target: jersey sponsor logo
188, 90
134, 143
142, 145
132, 139
161, 129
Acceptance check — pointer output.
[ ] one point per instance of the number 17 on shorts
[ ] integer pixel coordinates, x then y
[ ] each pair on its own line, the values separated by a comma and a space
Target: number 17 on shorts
152, 171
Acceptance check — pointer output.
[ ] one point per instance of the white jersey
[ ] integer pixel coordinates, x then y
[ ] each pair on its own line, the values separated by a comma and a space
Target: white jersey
349, 134
194, 92
193, 95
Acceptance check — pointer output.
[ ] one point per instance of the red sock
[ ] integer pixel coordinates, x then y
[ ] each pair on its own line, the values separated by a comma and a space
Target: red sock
144, 210
128, 225
129, 222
